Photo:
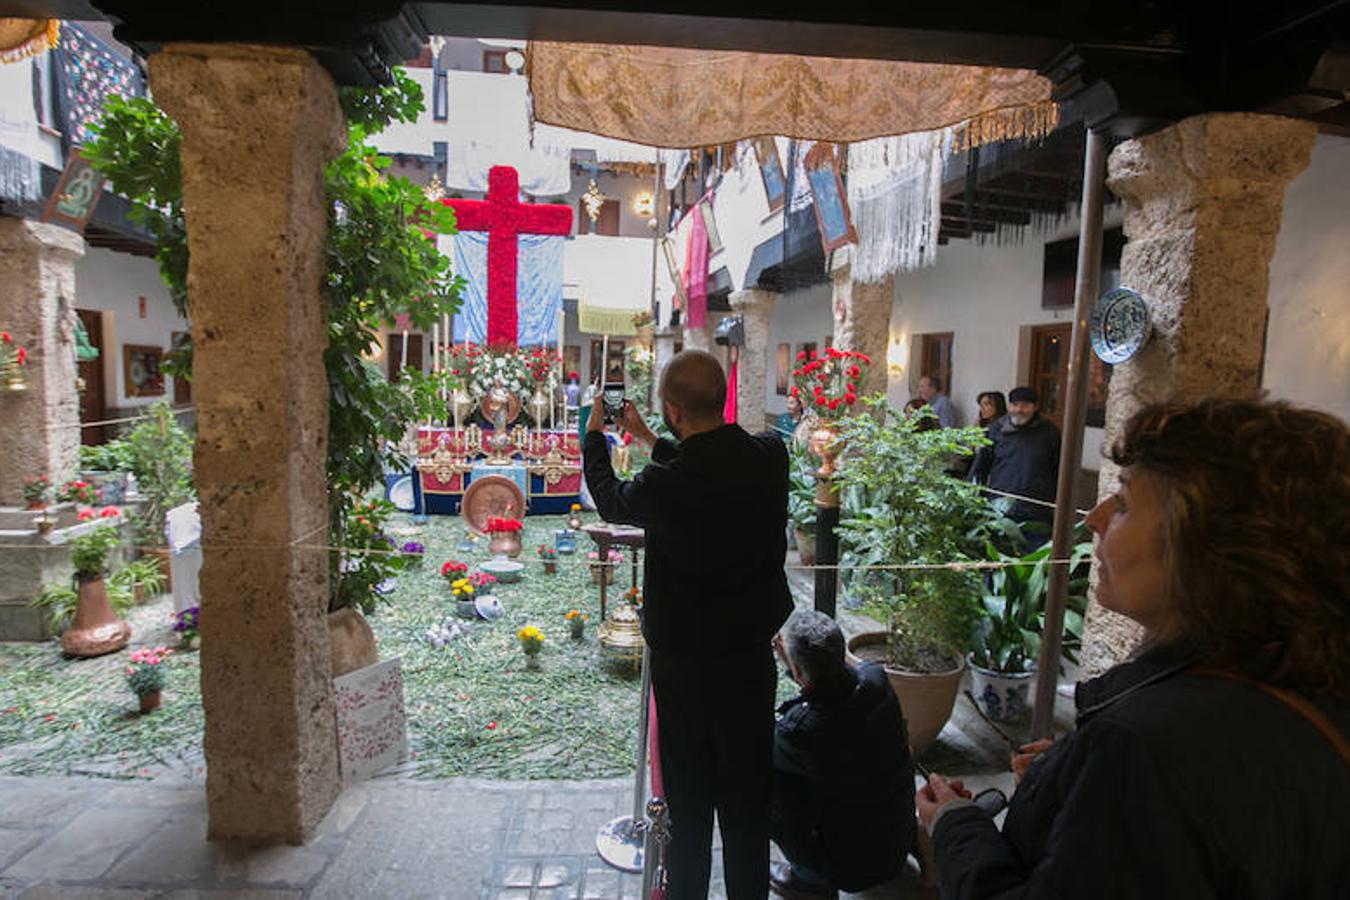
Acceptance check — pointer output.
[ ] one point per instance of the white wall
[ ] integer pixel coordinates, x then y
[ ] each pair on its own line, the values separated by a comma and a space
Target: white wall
113, 282
1308, 341
798, 317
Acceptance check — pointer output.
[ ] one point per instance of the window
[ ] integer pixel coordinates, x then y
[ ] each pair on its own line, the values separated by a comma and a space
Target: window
935, 354
1061, 268
394, 354
1049, 373
607, 223
440, 92
494, 61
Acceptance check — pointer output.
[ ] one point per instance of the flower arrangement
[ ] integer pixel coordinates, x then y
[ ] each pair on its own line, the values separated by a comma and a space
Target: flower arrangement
36, 490
828, 381
415, 551
145, 675
633, 596
541, 362
461, 589
510, 367
186, 624
481, 580
573, 375
78, 491
12, 356
453, 570
546, 552
501, 525
89, 552
602, 568
612, 557
576, 623
531, 640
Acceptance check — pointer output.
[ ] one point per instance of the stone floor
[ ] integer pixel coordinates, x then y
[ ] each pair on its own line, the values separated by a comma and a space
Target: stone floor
393, 837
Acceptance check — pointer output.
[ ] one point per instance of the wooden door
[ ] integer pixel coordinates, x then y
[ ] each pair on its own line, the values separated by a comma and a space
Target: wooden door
1050, 368
607, 223
394, 354
937, 359
93, 399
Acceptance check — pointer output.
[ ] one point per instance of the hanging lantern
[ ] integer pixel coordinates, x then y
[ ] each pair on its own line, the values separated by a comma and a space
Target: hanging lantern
593, 200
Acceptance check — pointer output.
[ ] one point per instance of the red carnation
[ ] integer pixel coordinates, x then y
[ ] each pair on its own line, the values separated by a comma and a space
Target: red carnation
865, 358
811, 355
109, 512
834, 404
21, 356
850, 399
4, 336
801, 354
792, 391
854, 371
821, 401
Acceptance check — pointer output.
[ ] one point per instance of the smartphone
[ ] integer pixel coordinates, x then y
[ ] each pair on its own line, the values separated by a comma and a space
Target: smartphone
612, 397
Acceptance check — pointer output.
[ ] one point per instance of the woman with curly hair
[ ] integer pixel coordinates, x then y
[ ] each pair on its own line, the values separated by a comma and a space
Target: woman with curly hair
1214, 762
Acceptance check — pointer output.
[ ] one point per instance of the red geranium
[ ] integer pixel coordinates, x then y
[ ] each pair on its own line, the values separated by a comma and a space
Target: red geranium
832, 377
109, 512
453, 570
499, 525
84, 515
801, 354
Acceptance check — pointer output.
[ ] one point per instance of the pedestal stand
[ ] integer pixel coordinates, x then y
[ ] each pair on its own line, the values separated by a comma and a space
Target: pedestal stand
621, 842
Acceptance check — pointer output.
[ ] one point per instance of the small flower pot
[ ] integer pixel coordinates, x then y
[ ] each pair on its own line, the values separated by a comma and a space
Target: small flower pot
602, 574
35, 505
532, 660
577, 628
550, 567
465, 609
45, 525
505, 542
1002, 696
150, 702
191, 643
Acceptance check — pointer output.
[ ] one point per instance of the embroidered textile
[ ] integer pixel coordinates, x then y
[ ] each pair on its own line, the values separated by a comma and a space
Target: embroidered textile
675, 97
87, 71
895, 195
539, 279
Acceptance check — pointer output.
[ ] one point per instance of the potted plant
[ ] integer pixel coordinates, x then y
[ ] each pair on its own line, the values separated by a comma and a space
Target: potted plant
602, 570
576, 623
360, 578
160, 453
1007, 637
453, 570
574, 517
461, 592
414, 552
802, 505
108, 467
79, 492
142, 579
549, 556
504, 536
531, 642
900, 508
186, 624
145, 676
37, 491
95, 629
826, 383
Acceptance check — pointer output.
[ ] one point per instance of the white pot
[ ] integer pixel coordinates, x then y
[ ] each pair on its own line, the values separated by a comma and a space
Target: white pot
1002, 696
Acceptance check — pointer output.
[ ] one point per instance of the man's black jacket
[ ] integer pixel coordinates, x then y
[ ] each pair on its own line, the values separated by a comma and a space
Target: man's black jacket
844, 781
1172, 786
1021, 460
715, 509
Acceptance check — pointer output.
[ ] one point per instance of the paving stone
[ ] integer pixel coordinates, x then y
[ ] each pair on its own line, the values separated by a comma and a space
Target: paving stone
37, 803
177, 852
154, 795
53, 891
15, 842
289, 866
231, 894
88, 846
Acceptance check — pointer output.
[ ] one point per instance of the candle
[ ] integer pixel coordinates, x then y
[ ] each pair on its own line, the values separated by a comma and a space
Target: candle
403, 358
599, 379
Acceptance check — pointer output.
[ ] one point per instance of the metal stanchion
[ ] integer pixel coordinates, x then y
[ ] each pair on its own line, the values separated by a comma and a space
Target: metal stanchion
654, 876
621, 842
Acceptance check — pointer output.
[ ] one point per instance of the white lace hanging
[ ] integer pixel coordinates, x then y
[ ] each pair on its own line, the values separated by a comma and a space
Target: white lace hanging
895, 196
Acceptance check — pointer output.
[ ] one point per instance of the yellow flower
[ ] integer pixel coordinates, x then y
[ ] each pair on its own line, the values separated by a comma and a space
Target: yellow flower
576, 507
530, 633
468, 589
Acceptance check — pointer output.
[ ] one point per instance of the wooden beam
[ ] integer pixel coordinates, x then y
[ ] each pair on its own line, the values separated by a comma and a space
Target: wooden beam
1005, 215
968, 225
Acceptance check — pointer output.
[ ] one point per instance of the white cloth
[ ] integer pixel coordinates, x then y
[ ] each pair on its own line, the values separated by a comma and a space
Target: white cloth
895, 198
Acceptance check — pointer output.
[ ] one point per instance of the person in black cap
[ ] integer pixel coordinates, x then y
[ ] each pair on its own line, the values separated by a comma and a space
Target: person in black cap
1023, 457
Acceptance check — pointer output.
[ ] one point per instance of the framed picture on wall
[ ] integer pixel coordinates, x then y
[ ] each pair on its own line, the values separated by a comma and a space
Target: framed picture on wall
141, 370
784, 369
710, 226
830, 201
771, 172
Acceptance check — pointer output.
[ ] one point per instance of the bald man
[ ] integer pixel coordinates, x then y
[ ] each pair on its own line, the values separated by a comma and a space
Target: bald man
713, 507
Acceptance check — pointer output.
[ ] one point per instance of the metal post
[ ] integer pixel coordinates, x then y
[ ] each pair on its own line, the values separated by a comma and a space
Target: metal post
827, 545
621, 841
1071, 448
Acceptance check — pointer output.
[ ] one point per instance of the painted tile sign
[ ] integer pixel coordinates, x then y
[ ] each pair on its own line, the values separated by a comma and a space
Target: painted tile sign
372, 722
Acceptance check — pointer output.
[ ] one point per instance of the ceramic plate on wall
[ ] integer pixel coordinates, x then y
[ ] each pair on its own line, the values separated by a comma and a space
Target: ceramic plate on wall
1119, 326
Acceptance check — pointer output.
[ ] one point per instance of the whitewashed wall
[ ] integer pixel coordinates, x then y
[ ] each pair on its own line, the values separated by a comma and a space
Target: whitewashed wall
1308, 342
112, 283
798, 317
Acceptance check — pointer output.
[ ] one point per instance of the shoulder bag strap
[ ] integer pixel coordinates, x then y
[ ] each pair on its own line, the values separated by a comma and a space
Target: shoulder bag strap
1292, 700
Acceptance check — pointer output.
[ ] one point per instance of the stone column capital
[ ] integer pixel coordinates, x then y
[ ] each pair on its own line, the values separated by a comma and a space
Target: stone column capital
1237, 150
754, 300
31, 234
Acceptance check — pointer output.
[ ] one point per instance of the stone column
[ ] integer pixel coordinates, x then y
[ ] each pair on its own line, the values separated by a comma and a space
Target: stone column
663, 348
1202, 211
258, 125
37, 309
862, 318
755, 307
699, 338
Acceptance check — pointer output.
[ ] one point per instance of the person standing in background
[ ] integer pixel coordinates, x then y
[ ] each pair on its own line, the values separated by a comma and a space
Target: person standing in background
930, 390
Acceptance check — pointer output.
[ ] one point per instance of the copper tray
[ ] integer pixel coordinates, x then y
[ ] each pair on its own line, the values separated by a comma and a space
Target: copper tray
488, 496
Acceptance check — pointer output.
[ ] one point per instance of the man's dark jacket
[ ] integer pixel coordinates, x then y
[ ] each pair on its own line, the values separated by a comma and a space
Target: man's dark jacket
844, 781
1021, 460
714, 508
1173, 785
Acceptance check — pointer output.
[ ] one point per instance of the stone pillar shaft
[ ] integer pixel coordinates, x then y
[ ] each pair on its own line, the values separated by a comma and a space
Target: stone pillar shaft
37, 309
755, 308
258, 125
862, 320
1202, 211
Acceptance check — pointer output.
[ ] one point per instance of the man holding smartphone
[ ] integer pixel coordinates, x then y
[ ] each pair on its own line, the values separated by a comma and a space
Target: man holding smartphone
713, 507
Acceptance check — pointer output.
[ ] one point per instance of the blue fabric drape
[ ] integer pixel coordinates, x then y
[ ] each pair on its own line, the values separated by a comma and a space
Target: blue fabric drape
539, 278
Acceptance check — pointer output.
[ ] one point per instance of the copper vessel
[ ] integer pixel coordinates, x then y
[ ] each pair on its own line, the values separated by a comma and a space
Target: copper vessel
96, 630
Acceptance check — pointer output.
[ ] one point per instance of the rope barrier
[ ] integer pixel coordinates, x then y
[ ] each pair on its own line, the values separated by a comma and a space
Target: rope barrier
177, 411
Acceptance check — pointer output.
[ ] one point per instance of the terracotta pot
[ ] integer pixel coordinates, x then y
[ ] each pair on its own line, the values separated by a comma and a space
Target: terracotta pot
550, 567
35, 505
1002, 696
806, 547
96, 630
601, 573
150, 701
351, 640
506, 543
926, 700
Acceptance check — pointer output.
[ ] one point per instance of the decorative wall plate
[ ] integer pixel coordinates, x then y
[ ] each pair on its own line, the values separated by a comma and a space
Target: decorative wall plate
1119, 326
488, 405
491, 495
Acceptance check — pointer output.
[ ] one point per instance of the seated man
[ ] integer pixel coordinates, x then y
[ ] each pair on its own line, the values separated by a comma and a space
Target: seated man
843, 795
